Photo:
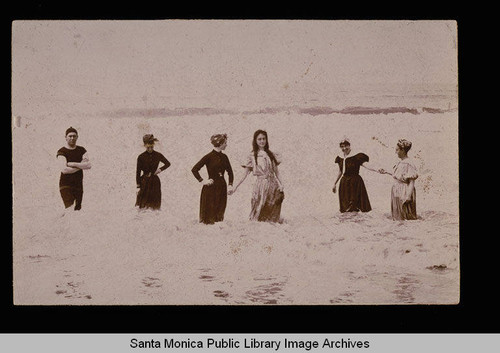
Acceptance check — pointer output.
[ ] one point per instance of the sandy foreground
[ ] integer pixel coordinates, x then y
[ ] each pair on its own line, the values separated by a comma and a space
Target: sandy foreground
111, 254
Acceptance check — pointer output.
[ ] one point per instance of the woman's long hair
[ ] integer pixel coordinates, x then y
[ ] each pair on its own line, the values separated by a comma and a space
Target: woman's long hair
266, 147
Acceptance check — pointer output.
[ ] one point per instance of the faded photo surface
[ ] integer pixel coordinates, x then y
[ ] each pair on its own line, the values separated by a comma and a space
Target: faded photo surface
140, 175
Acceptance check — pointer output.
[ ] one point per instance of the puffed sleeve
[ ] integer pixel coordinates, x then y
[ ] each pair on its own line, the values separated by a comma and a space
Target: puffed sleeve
248, 162
410, 171
338, 160
362, 158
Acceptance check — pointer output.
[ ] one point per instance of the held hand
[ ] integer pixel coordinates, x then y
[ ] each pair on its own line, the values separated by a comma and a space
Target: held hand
230, 190
281, 188
334, 189
158, 171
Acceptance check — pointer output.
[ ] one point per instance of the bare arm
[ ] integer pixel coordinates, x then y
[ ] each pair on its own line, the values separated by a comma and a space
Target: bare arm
339, 174
373, 169
280, 184
65, 169
247, 171
84, 164
370, 167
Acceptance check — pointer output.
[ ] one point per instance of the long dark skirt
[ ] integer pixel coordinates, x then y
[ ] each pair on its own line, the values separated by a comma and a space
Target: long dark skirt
353, 196
213, 202
149, 195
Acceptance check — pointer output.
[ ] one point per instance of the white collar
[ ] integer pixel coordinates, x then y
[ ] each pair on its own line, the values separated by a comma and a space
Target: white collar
351, 154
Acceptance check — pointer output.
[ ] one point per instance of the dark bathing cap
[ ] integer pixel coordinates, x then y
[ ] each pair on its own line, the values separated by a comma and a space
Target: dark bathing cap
71, 129
149, 138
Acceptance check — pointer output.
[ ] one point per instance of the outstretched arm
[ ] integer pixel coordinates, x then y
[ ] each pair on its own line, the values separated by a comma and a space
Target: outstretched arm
373, 169
230, 173
247, 171
368, 166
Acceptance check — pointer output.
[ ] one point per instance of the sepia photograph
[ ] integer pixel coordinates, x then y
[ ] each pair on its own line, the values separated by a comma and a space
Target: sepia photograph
235, 162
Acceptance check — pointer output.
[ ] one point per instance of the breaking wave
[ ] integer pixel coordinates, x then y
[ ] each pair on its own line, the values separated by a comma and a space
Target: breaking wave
207, 111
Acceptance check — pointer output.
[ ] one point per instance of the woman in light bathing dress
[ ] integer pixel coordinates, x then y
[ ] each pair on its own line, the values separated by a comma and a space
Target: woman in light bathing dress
267, 194
403, 194
353, 196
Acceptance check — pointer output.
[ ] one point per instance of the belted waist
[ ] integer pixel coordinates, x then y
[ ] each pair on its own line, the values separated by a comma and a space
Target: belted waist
264, 176
399, 181
149, 175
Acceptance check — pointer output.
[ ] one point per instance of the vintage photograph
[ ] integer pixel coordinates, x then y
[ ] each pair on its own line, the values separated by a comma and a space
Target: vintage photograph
235, 162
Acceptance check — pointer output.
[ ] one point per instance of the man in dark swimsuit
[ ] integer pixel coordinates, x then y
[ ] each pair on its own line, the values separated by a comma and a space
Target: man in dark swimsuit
73, 160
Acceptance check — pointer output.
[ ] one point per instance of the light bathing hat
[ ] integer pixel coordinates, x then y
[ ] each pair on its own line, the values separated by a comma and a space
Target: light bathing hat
345, 141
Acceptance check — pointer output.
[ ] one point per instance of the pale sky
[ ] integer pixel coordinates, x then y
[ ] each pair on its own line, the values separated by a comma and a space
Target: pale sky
71, 61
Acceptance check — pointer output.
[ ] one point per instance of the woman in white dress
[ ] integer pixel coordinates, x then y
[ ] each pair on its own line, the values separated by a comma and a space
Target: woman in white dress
267, 194
403, 194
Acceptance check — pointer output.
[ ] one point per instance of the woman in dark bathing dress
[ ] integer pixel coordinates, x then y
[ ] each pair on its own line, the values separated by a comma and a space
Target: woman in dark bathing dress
353, 196
148, 182
213, 197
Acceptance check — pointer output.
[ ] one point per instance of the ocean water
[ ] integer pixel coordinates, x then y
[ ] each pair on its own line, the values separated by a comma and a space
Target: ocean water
110, 253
